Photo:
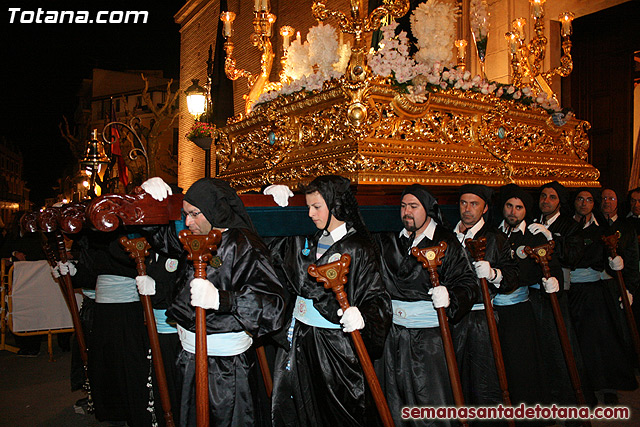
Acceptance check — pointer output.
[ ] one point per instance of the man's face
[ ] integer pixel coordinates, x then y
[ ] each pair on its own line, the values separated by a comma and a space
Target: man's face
635, 203
413, 214
195, 219
514, 212
584, 203
549, 202
472, 207
318, 210
609, 203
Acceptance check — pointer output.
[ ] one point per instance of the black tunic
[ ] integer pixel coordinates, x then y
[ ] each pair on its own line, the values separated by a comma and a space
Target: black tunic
250, 300
471, 335
413, 369
318, 380
594, 312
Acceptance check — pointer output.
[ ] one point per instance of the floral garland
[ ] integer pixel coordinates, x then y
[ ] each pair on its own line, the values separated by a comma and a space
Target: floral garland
433, 25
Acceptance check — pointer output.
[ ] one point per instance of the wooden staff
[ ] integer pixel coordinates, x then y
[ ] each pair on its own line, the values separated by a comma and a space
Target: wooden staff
138, 249
264, 369
477, 249
612, 244
334, 277
542, 255
53, 262
199, 248
431, 258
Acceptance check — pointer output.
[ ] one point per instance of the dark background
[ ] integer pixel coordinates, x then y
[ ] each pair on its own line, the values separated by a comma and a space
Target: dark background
44, 64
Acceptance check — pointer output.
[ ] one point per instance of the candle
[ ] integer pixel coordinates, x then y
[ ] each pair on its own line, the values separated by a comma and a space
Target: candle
298, 37
518, 25
341, 38
512, 38
537, 7
566, 19
227, 18
265, 6
286, 32
256, 6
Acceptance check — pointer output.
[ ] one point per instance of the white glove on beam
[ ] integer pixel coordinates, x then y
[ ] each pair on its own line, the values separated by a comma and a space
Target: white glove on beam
616, 263
440, 297
67, 268
551, 284
351, 320
146, 285
157, 188
280, 193
204, 294
629, 295
539, 228
55, 271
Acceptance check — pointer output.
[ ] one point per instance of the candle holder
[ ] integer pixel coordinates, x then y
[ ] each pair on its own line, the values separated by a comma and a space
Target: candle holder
461, 46
527, 61
263, 21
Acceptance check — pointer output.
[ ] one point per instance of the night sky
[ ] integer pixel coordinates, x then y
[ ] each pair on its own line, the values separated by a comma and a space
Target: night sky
44, 64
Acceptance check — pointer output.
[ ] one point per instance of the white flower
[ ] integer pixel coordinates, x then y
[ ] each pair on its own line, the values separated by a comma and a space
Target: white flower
297, 64
479, 18
323, 47
433, 25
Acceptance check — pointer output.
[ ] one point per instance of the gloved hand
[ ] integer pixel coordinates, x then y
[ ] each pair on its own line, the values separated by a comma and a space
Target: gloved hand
539, 228
146, 285
483, 269
204, 294
157, 188
67, 268
280, 193
351, 320
629, 295
616, 263
551, 284
55, 271
440, 296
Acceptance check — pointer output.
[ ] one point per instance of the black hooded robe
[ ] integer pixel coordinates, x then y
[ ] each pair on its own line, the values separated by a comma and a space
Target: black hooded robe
318, 380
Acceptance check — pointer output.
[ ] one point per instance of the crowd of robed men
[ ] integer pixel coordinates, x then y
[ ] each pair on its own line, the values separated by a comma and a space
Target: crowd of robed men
260, 293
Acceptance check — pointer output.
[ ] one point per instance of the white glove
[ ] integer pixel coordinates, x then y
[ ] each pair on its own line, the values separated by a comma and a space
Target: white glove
629, 295
204, 294
439, 296
157, 188
616, 263
55, 271
539, 228
280, 193
483, 269
351, 320
146, 285
551, 284
67, 268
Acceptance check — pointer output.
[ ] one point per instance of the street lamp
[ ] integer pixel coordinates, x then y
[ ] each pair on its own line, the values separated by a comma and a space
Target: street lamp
196, 98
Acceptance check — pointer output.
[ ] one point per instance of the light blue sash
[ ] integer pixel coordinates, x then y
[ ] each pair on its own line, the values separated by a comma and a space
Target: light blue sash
521, 294
414, 314
305, 312
585, 275
116, 289
223, 344
478, 306
536, 286
89, 293
161, 322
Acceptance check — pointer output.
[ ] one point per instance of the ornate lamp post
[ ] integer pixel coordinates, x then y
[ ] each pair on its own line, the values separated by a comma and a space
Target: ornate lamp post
198, 103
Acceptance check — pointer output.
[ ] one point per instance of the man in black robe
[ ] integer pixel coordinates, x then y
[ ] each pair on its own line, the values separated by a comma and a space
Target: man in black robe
633, 199
471, 335
318, 379
519, 336
413, 370
556, 218
241, 294
608, 364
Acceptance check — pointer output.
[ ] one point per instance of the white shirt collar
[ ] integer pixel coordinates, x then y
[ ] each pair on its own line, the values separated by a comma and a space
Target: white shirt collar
471, 233
339, 232
613, 218
522, 227
631, 215
551, 220
592, 220
428, 232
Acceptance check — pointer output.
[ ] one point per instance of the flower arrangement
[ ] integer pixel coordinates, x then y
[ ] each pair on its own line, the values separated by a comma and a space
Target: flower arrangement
392, 59
201, 130
480, 26
433, 25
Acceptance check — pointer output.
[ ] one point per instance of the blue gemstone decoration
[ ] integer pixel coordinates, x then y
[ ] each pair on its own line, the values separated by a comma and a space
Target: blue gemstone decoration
501, 132
272, 138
